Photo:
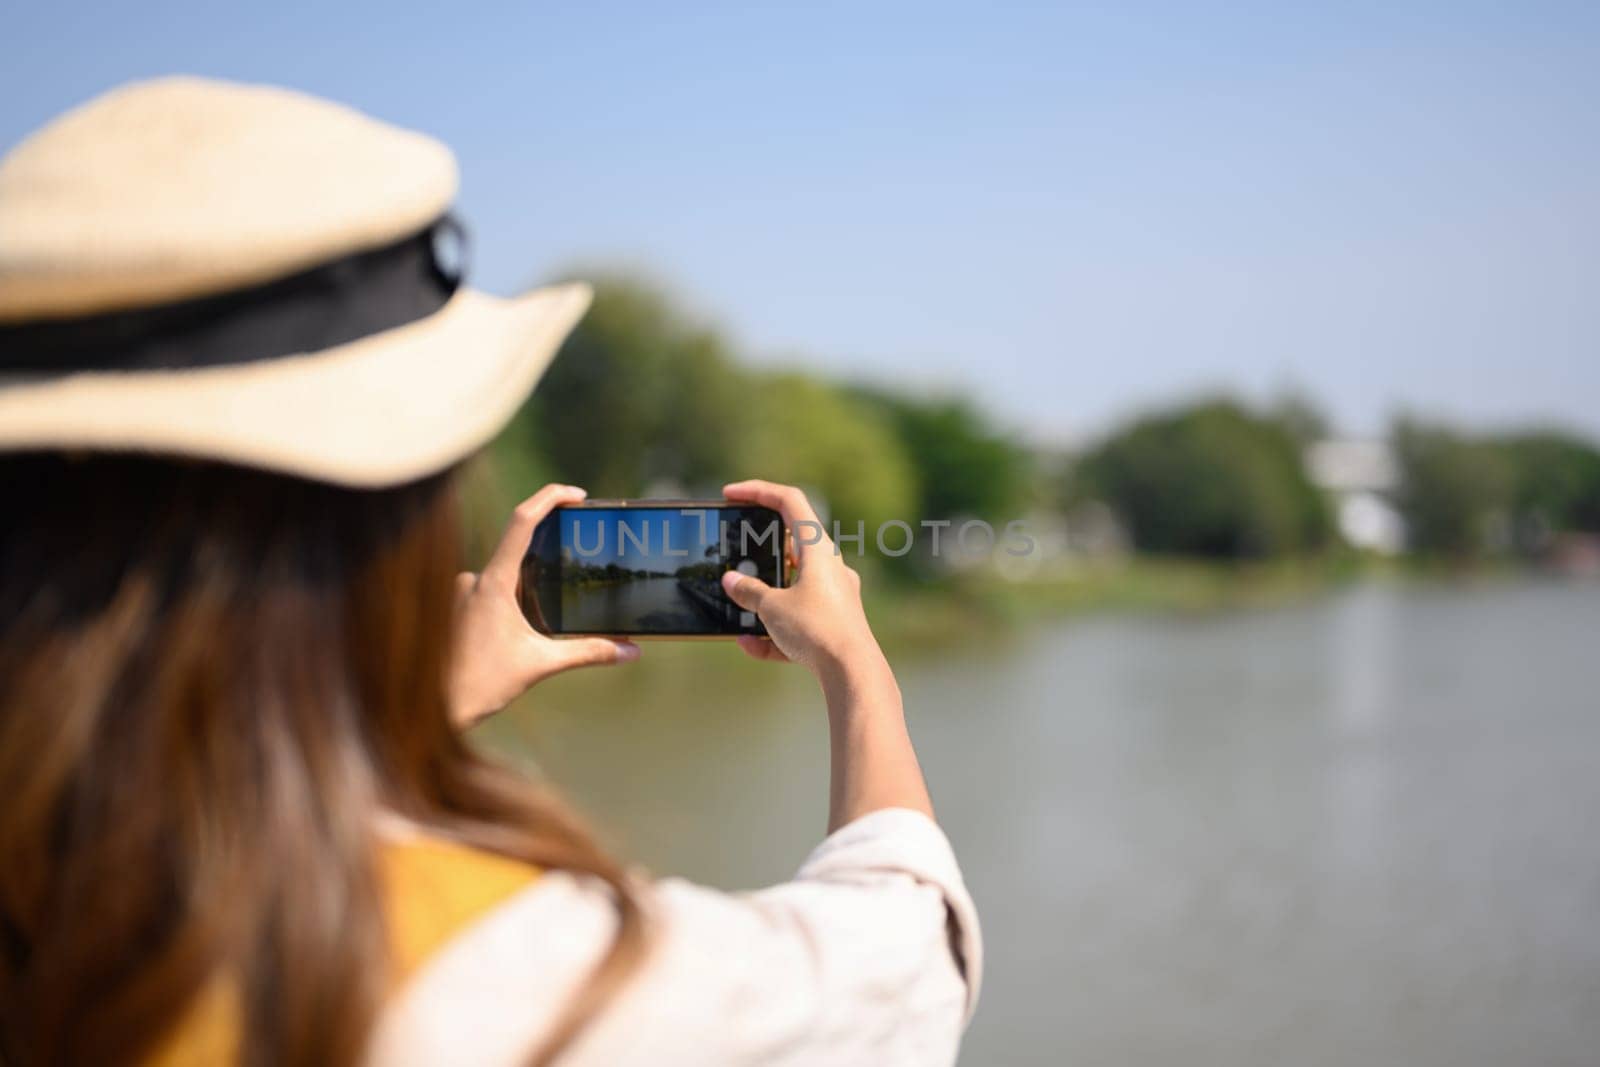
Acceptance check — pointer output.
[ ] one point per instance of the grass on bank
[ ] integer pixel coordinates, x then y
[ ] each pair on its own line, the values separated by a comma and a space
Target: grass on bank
907, 613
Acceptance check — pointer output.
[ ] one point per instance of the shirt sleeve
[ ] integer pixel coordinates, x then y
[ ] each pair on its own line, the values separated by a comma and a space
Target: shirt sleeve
895, 845
870, 955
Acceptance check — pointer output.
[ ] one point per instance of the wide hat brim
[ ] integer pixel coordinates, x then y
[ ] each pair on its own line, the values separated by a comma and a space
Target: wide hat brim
389, 408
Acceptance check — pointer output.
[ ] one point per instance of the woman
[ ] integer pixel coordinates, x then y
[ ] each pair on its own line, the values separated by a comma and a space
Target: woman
236, 654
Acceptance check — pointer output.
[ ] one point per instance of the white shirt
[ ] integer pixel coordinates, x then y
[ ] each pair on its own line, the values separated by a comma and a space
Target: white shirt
871, 955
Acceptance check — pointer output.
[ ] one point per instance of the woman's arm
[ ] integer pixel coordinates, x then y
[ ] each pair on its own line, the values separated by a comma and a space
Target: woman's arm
874, 765
872, 953
819, 622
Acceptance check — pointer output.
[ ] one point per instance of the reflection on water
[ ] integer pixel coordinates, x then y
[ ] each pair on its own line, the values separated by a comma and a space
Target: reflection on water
1354, 832
638, 605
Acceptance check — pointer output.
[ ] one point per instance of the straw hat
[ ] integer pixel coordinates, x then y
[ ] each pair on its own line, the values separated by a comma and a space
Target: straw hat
249, 274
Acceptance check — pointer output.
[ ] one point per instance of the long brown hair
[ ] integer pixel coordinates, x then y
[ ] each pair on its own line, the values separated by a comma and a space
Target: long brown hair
211, 681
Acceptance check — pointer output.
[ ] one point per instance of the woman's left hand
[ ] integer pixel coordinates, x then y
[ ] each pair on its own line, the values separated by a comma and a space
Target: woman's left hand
497, 655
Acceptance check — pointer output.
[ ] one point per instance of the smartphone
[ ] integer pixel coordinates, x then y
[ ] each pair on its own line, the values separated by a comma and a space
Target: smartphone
649, 568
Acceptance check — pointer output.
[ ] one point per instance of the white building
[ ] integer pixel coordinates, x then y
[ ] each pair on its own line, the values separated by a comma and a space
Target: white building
1361, 475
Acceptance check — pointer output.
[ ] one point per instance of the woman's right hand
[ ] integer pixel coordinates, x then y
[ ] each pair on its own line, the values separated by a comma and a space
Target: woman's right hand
818, 620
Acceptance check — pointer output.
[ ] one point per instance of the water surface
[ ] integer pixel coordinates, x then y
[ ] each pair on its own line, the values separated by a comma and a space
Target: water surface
1364, 830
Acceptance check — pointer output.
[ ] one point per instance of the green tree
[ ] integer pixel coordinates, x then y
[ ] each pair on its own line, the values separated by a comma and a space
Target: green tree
640, 393
963, 465
806, 432
637, 394
1300, 416
1555, 481
1452, 488
1212, 479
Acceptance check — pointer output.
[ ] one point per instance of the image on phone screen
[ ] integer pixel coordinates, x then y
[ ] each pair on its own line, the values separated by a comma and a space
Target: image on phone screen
644, 569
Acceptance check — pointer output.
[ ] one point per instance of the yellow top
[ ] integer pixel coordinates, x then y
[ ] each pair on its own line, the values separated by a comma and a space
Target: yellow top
432, 889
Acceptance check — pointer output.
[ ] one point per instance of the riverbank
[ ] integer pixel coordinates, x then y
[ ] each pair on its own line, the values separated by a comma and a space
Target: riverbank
910, 614
906, 614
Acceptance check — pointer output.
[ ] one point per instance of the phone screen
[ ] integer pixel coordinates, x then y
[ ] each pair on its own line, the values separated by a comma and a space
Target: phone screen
640, 568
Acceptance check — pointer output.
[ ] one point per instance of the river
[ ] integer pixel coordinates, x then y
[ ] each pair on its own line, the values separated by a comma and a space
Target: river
637, 605
1361, 830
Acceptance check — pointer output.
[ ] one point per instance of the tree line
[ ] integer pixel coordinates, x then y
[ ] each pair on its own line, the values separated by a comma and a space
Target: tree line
643, 395
1218, 479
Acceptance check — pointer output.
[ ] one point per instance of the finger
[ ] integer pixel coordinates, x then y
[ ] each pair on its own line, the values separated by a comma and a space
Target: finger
745, 591
466, 581
506, 561
787, 501
592, 652
761, 648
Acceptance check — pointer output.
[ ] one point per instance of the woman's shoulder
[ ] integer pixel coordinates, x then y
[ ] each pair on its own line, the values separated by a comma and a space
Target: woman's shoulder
433, 888
869, 955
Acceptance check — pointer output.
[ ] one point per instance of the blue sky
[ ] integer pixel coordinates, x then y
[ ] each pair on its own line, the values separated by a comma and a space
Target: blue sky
1070, 211
598, 531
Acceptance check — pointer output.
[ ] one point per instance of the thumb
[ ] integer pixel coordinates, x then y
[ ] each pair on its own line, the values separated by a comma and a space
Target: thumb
745, 591
593, 652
